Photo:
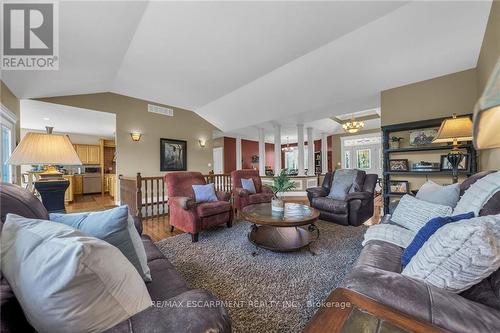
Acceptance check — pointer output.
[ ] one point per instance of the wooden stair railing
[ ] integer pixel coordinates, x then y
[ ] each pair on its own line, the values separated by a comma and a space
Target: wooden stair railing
147, 198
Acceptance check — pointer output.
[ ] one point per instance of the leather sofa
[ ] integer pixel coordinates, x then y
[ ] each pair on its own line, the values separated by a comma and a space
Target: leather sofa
190, 216
244, 198
166, 289
358, 205
376, 274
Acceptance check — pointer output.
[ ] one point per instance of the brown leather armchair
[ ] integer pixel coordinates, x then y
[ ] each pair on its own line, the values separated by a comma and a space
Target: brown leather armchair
188, 215
357, 204
244, 198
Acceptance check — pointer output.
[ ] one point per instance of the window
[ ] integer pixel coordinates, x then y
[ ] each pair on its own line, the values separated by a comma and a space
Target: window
7, 142
364, 158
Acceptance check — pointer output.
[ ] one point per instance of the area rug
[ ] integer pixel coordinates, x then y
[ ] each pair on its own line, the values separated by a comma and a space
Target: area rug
267, 291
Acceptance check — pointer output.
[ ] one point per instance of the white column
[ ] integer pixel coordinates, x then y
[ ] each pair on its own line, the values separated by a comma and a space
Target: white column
262, 152
300, 145
324, 153
238, 153
310, 152
277, 149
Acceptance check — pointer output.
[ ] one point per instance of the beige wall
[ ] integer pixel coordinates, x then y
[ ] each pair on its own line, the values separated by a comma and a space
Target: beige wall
435, 98
132, 115
488, 57
337, 145
9, 100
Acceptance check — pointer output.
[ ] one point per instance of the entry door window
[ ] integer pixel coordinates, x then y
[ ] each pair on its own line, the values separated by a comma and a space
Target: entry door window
362, 152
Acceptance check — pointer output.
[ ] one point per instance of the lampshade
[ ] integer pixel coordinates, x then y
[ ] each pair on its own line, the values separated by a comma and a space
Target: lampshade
487, 114
47, 149
454, 129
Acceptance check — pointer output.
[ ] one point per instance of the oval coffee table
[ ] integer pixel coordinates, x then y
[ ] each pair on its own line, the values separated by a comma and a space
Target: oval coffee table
281, 231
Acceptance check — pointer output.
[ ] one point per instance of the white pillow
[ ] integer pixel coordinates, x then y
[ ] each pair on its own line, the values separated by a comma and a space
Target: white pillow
443, 195
413, 213
66, 281
478, 194
459, 255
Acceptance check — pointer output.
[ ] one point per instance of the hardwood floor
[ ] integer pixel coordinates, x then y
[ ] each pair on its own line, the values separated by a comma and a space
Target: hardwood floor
90, 202
159, 228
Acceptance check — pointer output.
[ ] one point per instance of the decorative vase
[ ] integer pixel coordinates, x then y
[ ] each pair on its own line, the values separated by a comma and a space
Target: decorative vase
394, 144
277, 205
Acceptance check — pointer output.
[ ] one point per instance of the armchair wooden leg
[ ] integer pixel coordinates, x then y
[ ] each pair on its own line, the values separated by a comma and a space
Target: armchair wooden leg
194, 237
229, 224
171, 228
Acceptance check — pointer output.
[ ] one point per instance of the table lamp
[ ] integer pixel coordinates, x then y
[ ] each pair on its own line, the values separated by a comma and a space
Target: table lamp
486, 130
47, 149
455, 130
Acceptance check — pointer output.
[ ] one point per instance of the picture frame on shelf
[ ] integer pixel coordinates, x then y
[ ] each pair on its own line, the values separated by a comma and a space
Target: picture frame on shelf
399, 187
400, 164
422, 137
173, 155
463, 166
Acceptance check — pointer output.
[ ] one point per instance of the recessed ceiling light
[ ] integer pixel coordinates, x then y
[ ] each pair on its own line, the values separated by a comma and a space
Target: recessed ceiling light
46, 118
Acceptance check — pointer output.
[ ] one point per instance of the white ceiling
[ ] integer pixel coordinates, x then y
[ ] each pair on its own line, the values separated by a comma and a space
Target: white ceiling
36, 115
241, 64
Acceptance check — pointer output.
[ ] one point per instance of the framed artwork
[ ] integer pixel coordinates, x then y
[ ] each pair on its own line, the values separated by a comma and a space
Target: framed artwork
463, 166
364, 157
173, 155
423, 137
399, 186
398, 165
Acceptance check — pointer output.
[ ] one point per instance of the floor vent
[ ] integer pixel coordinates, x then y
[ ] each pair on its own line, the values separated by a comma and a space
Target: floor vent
160, 110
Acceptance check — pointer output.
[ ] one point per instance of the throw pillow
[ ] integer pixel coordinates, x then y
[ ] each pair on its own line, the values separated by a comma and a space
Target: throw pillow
114, 226
343, 183
459, 255
66, 281
413, 213
442, 195
248, 185
204, 193
427, 231
389, 233
478, 194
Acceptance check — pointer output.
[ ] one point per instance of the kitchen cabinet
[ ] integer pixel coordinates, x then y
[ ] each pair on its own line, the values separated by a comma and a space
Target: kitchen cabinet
68, 195
110, 184
89, 154
78, 188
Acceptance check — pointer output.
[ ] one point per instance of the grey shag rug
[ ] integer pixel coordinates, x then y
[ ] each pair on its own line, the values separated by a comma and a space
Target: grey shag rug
269, 292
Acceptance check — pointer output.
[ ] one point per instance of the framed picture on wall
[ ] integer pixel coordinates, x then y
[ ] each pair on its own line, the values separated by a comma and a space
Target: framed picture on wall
173, 155
399, 186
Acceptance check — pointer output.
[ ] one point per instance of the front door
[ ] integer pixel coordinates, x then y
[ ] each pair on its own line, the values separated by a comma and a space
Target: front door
362, 152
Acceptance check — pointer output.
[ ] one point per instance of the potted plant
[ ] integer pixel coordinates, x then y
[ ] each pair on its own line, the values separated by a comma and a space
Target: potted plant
281, 184
395, 142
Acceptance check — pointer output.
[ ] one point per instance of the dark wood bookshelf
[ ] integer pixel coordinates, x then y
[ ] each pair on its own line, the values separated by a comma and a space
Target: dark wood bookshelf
386, 136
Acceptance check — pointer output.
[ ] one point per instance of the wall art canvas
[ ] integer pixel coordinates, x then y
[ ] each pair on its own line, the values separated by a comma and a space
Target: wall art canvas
173, 155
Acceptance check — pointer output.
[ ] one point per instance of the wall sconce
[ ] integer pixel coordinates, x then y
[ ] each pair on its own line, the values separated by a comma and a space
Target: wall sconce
202, 142
136, 136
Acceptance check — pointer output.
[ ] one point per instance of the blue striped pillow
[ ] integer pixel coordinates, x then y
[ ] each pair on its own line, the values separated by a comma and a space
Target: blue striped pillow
427, 231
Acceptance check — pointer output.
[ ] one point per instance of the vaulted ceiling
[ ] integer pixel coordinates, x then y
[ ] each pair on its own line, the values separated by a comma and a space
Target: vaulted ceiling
239, 64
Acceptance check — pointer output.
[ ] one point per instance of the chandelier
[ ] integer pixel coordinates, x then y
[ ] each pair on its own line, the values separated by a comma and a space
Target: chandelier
353, 126
287, 149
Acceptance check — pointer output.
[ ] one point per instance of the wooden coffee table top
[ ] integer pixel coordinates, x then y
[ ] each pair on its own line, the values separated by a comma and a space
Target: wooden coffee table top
294, 215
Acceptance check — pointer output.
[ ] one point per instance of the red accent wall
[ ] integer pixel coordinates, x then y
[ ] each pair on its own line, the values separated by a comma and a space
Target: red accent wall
229, 154
248, 148
270, 155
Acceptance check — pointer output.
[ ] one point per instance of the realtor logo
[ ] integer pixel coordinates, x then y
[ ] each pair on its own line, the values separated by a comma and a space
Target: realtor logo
30, 36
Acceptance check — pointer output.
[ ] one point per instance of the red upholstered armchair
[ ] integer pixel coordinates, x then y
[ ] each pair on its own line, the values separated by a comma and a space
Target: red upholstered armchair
188, 215
244, 198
